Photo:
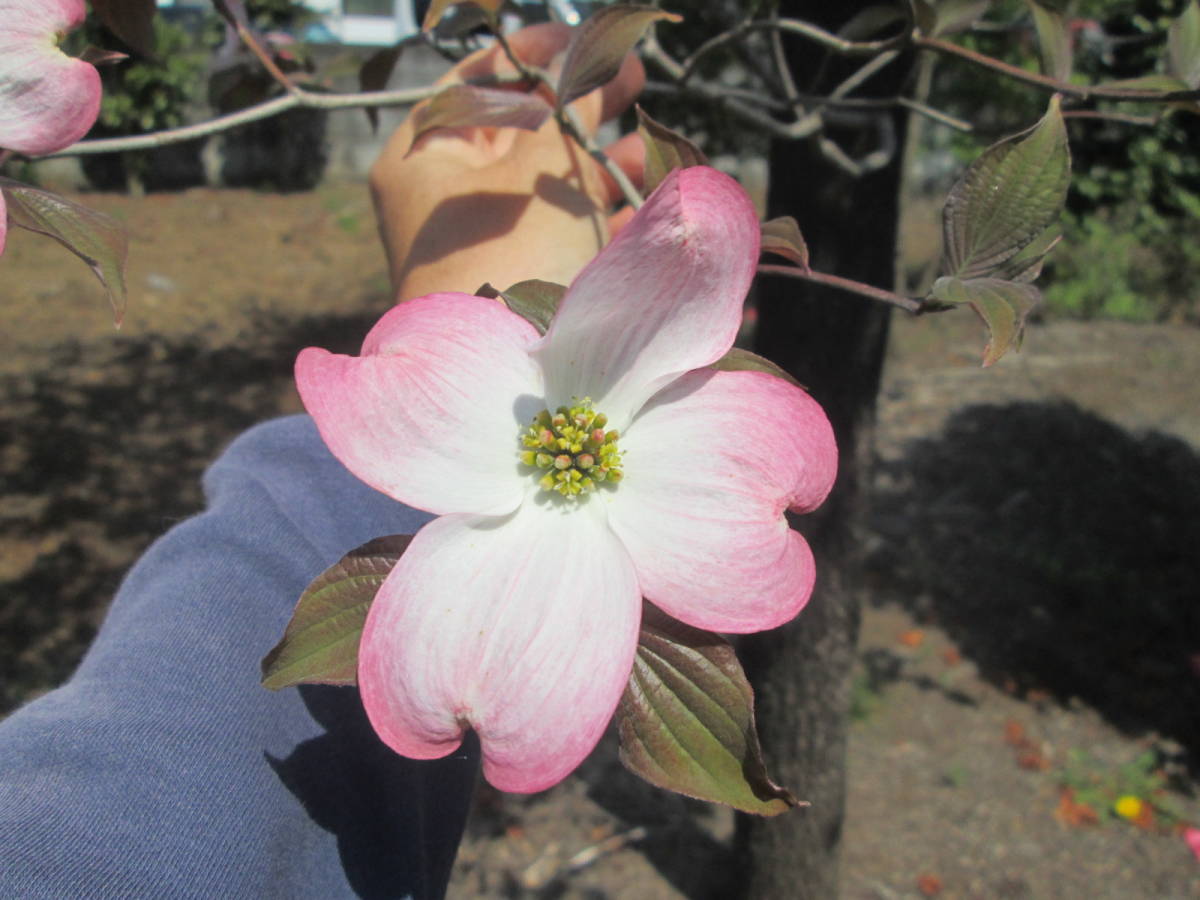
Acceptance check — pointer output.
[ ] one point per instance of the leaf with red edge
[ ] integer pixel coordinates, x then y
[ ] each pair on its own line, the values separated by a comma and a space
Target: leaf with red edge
438, 8
374, 75
130, 20
1003, 306
99, 241
320, 643
1183, 45
97, 56
467, 106
782, 237
686, 719
665, 150
1054, 39
599, 46
1007, 198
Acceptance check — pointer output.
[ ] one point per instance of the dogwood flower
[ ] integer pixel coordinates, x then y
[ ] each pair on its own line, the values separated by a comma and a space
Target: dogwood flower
572, 475
47, 99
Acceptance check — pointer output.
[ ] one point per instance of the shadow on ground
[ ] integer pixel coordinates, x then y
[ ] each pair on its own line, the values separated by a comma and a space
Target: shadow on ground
1060, 552
101, 450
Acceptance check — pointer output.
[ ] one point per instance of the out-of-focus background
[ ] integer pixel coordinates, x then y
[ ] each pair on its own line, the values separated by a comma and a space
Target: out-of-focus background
1026, 718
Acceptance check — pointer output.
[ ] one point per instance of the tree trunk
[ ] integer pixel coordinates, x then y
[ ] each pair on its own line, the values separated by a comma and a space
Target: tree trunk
833, 342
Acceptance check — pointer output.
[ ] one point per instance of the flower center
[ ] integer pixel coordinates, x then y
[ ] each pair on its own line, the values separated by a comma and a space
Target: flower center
569, 450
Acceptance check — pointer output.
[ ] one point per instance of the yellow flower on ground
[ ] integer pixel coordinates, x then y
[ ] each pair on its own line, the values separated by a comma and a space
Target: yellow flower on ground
1128, 807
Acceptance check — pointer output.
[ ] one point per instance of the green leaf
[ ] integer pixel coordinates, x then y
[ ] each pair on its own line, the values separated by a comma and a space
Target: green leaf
467, 106
936, 17
1007, 198
320, 643
782, 237
686, 719
1003, 306
599, 45
739, 360
1183, 45
665, 150
534, 301
99, 241
1054, 39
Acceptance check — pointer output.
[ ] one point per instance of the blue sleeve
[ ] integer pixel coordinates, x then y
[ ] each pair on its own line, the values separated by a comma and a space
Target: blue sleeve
163, 769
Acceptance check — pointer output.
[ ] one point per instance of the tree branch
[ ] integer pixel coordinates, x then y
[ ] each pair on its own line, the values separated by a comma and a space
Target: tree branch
1045, 82
845, 284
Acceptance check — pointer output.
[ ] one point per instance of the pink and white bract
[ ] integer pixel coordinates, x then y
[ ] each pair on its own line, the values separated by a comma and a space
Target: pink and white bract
516, 612
47, 99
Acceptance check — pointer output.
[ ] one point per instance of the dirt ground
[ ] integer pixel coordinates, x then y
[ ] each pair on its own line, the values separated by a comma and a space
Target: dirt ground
1030, 649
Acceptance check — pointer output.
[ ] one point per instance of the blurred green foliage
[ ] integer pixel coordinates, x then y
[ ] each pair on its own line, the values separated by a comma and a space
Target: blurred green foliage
148, 94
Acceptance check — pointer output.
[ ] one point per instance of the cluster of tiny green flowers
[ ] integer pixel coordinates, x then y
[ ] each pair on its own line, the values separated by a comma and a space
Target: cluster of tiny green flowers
572, 449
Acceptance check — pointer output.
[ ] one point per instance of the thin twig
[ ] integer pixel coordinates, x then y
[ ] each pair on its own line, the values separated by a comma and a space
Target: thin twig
569, 123
802, 128
862, 74
1106, 115
845, 284
264, 110
792, 26
935, 115
1045, 82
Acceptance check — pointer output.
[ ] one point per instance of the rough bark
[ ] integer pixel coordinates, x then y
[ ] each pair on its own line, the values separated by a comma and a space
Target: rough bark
834, 344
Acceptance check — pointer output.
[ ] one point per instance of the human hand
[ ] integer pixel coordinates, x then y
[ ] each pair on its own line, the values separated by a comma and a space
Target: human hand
501, 205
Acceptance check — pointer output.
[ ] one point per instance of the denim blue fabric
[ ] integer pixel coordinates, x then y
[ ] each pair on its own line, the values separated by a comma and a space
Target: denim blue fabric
163, 769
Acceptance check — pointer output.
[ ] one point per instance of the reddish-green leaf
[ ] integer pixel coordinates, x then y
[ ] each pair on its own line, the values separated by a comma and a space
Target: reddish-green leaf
1003, 306
686, 719
1183, 45
98, 240
130, 20
467, 106
1007, 198
534, 301
739, 360
1054, 39
782, 237
438, 8
320, 643
374, 74
665, 150
599, 45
